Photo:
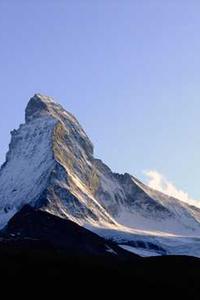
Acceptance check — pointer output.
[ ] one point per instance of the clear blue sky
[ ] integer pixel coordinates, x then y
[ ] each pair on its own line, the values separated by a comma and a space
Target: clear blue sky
129, 71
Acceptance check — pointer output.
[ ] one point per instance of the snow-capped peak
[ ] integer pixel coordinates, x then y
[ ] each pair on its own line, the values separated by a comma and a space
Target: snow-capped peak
50, 165
38, 106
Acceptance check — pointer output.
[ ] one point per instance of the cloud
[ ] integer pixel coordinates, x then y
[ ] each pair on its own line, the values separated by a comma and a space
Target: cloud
159, 182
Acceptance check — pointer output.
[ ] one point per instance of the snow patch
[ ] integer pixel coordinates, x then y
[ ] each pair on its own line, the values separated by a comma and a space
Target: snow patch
139, 251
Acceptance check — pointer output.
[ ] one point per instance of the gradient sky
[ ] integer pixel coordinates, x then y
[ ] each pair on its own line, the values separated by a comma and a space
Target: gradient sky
128, 70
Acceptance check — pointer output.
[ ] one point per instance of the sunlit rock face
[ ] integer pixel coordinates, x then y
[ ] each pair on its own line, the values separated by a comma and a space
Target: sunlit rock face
50, 166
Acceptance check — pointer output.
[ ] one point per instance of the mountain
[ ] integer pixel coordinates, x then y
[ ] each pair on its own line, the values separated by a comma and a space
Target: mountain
50, 166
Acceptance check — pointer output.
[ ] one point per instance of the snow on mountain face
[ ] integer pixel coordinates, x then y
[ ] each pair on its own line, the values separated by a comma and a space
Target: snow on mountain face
50, 165
28, 164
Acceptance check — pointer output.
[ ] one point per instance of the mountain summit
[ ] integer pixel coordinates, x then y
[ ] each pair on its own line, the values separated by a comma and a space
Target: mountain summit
50, 166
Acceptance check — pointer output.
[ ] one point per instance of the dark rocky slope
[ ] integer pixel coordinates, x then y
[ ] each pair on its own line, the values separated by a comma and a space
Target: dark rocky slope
41, 252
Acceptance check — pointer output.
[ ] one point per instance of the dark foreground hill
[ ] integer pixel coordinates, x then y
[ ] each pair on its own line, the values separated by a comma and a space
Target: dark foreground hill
34, 256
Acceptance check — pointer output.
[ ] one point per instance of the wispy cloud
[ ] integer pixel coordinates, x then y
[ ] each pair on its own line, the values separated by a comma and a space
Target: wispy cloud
159, 182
